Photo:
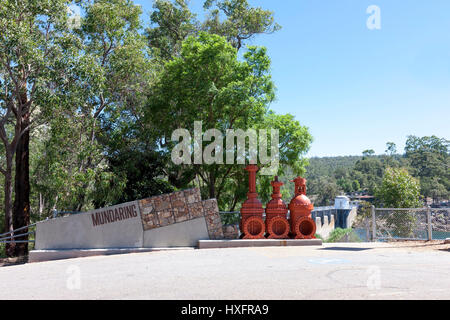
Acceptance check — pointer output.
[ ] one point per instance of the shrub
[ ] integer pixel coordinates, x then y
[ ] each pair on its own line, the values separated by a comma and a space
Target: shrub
338, 234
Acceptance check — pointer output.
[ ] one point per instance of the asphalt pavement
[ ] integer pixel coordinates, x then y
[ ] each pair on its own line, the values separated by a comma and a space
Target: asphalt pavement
330, 271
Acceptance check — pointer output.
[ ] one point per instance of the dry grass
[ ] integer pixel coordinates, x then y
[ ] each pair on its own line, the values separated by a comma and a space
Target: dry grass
421, 245
13, 261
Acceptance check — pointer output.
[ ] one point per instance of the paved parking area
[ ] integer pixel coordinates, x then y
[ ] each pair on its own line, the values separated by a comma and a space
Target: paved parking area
331, 271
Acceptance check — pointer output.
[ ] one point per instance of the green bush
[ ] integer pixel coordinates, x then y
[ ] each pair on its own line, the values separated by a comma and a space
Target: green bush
338, 234
2, 250
318, 236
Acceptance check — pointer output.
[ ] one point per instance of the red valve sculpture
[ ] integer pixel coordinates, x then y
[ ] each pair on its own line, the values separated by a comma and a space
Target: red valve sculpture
252, 223
302, 226
277, 225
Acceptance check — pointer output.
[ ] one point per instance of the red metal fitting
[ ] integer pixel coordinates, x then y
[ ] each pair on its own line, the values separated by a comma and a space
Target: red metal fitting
304, 228
300, 207
277, 225
253, 228
252, 223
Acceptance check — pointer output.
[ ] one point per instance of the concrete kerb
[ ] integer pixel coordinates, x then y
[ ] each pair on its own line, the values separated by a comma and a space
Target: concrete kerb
48, 255
222, 244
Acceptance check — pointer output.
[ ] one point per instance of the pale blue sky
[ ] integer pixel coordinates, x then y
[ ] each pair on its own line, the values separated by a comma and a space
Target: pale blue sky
353, 87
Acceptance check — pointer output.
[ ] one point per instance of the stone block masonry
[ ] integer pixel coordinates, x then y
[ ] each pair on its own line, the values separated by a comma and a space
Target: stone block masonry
181, 206
213, 222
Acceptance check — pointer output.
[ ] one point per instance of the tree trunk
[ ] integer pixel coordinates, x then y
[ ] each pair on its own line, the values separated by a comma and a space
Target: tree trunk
8, 204
212, 186
21, 217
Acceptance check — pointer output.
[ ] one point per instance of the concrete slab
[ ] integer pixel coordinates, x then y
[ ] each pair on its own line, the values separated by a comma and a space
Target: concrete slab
183, 234
48, 255
217, 244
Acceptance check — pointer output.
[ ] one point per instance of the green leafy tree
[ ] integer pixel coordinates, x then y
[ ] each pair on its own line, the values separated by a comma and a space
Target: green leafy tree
369, 172
400, 190
242, 21
429, 158
113, 73
172, 23
208, 83
432, 187
325, 191
391, 148
36, 50
368, 153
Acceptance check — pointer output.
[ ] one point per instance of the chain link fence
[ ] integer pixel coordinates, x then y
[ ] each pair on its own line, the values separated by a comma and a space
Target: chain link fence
383, 224
401, 224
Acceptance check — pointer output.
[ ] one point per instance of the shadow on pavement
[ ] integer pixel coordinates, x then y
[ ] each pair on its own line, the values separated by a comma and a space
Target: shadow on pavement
345, 249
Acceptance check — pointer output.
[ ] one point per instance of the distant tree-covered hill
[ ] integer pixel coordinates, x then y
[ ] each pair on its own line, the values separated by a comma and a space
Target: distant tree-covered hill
426, 158
326, 166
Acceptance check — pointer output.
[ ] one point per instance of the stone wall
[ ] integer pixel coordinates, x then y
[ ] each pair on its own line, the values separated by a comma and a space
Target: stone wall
181, 206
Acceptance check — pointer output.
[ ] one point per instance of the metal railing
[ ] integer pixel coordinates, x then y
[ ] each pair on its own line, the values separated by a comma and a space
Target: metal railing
57, 213
230, 217
9, 237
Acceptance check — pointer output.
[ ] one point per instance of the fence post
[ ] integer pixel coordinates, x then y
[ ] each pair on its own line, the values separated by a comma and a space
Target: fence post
374, 225
429, 227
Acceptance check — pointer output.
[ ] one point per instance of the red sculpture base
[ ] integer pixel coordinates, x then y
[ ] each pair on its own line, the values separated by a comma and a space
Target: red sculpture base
304, 228
278, 228
253, 228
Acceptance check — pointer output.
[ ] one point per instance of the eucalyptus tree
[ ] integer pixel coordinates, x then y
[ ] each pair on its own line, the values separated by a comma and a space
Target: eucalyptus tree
242, 21
36, 50
171, 24
429, 158
114, 73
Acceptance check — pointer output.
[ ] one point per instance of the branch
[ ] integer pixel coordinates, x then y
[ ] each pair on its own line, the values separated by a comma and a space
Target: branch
16, 84
222, 182
200, 174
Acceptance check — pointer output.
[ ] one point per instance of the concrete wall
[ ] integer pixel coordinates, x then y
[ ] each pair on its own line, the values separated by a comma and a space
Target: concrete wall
324, 228
112, 227
179, 219
183, 234
326, 222
352, 216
